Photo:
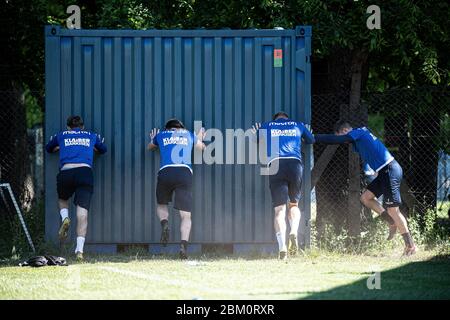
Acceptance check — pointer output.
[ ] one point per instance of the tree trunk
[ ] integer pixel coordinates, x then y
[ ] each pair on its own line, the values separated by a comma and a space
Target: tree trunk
336, 95
358, 118
330, 86
13, 144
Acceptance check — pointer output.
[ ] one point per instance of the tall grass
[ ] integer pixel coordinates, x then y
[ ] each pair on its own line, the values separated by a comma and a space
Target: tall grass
433, 235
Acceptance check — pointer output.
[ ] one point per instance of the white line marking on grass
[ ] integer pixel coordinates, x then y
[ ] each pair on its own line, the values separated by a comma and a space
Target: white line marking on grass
179, 283
142, 276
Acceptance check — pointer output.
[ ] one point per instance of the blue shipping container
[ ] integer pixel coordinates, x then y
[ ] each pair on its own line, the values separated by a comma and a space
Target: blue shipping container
125, 82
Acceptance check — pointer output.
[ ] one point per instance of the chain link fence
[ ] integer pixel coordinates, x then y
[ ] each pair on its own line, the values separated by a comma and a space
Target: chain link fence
21, 165
21, 149
414, 125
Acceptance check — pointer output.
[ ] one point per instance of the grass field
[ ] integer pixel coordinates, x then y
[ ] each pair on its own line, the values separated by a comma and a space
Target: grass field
314, 275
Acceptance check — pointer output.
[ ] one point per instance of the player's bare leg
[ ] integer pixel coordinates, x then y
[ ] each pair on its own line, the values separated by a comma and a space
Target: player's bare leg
294, 221
185, 229
162, 210
280, 229
65, 221
82, 223
400, 221
368, 200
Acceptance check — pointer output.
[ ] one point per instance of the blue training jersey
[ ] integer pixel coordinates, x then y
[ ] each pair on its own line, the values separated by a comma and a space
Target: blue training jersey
175, 146
284, 138
370, 148
76, 146
368, 171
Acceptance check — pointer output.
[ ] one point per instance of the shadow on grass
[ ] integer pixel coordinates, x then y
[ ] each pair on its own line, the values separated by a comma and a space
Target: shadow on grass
418, 280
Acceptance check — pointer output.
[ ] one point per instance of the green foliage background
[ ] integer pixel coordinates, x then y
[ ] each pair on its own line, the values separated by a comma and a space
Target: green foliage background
411, 48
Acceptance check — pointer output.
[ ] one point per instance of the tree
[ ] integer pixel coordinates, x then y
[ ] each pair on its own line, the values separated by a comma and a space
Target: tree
21, 65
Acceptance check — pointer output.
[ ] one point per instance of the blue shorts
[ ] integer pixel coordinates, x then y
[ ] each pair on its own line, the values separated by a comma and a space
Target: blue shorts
178, 181
286, 184
79, 181
387, 183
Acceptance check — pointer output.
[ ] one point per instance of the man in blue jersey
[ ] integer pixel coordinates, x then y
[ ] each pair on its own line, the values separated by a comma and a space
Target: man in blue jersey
76, 152
389, 175
283, 138
175, 176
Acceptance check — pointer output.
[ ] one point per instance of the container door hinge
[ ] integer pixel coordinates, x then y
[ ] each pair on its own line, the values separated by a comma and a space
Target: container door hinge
300, 61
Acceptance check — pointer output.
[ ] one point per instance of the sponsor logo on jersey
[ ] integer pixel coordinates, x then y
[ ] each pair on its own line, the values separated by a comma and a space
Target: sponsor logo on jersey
75, 132
77, 142
287, 123
175, 140
283, 133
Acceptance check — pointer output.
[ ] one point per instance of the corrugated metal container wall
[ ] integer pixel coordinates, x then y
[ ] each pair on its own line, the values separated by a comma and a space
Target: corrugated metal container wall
125, 82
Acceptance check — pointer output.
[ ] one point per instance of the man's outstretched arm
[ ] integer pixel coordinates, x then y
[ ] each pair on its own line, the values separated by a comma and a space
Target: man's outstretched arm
332, 139
53, 144
255, 132
100, 145
307, 136
153, 145
199, 144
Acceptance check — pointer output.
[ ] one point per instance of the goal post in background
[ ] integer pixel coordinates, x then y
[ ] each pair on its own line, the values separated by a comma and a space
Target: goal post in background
7, 187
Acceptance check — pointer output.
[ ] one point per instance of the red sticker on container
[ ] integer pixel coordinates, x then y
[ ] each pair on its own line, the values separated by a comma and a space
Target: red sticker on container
277, 58
278, 53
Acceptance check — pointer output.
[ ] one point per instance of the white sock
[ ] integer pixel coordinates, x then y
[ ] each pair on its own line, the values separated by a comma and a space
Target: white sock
294, 225
281, 238
64, 213
80, 244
